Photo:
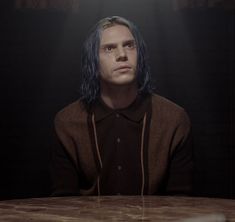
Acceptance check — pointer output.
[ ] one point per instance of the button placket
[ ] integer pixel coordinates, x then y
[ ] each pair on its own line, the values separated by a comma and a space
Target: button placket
119, 145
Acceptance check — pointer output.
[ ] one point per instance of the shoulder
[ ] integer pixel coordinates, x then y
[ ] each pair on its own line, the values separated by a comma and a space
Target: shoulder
168, 111
161, 102
73, 112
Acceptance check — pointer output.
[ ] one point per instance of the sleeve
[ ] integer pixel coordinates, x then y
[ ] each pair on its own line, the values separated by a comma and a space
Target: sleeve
64, 175
180, 172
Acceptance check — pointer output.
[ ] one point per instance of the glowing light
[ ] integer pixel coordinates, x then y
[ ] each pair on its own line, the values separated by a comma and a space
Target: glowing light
184, 4
47, 4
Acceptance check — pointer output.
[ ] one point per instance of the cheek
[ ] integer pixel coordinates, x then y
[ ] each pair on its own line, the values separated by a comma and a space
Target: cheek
104, 68
106, 63
134, 60
101, 63
134, 56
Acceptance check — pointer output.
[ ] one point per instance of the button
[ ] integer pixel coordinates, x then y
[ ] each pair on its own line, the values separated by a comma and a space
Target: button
119, 167
117, 115
118, 140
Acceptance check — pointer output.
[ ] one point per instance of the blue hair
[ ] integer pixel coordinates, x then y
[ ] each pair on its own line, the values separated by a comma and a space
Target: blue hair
90, 83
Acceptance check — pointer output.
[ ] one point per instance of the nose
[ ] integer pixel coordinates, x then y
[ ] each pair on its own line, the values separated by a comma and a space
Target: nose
121, 54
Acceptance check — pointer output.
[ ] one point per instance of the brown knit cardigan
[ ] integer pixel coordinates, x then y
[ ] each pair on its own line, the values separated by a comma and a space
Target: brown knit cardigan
168, 163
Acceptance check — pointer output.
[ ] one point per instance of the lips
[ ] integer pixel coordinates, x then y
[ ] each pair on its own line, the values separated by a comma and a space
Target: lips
122, 67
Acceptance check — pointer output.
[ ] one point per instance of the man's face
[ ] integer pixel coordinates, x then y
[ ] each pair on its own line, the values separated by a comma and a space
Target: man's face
117, 56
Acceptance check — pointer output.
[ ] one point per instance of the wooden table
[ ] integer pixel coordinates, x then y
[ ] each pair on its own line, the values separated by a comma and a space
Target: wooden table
118, 208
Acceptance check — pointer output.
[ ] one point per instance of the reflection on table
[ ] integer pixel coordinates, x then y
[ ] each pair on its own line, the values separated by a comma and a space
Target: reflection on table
118, 208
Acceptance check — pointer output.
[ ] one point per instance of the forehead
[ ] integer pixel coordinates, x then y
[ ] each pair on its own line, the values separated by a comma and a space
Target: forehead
115, 34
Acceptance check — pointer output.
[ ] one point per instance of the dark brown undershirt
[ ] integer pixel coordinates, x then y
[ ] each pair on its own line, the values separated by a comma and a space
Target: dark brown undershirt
119, 140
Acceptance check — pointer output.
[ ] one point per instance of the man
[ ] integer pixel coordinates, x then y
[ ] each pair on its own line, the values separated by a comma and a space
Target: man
120, 138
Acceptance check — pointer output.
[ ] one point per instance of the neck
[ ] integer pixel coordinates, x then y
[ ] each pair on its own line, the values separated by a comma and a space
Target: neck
118, 97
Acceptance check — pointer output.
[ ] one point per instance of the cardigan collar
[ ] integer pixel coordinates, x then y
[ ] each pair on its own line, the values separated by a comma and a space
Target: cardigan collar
135, 111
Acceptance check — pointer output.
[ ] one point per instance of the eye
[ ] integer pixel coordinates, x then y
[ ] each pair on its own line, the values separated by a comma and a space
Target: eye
130, 45
108, 48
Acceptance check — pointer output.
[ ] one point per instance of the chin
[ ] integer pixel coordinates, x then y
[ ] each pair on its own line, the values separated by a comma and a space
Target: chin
126, 81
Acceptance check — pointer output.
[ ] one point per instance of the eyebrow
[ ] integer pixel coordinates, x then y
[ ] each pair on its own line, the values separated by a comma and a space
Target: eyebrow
108, 45
114, 44
132, 41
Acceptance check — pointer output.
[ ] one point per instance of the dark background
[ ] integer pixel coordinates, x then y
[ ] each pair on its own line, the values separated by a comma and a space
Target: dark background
192, 60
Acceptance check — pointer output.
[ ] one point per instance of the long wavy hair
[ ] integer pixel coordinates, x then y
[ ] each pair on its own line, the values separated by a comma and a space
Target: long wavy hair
90, 83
